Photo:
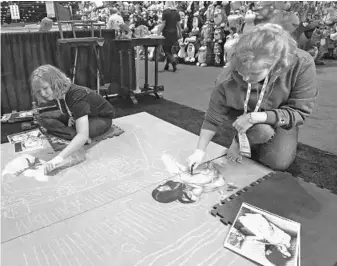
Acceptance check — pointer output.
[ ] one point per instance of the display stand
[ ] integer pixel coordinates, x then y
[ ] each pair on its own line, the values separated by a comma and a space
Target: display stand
127, 46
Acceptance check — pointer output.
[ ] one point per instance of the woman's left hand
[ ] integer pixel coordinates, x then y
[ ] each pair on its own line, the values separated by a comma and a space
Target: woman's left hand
243, 123
71, 122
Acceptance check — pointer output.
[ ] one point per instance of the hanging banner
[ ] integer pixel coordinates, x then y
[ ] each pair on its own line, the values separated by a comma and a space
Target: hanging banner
15, 13
50, 9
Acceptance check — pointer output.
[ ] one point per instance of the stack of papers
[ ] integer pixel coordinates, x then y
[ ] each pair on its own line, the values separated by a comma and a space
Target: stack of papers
28, 141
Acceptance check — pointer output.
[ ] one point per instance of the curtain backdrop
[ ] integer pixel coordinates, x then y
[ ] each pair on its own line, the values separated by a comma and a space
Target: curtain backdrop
21, 53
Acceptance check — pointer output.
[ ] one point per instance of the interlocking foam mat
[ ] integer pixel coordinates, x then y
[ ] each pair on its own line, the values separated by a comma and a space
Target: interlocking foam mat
290, 197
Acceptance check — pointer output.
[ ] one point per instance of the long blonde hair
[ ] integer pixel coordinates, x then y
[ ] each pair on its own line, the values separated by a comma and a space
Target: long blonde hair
267, 42
57, 80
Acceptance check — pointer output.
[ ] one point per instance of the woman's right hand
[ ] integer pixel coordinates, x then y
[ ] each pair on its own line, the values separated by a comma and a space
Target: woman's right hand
233, 152
52, 164
195, 159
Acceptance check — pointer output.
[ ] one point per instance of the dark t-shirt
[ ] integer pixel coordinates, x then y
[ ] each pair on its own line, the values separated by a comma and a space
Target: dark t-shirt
83, 101
171, 18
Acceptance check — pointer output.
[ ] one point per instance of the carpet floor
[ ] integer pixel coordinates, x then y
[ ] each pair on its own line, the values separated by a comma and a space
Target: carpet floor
311, 164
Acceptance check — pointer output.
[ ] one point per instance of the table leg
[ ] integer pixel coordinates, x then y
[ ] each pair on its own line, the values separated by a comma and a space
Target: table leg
121, 71
130, 70
146, 85
98, 72
156, 67
138, 90
157, 89
131, 89
75, 64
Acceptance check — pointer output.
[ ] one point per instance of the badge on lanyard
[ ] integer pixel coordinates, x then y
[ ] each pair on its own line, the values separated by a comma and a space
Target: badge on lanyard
244, 145
245, 149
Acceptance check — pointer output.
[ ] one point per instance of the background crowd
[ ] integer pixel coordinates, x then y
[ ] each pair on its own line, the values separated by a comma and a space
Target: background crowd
210, 28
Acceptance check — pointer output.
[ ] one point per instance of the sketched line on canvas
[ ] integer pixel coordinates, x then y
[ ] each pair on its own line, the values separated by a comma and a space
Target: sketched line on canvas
122, 190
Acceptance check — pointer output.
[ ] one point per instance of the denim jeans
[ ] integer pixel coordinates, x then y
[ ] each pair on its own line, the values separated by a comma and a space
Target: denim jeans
273, 147
56, 123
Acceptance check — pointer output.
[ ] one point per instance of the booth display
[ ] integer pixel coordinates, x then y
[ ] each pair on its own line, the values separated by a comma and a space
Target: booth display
210, 29
127, 87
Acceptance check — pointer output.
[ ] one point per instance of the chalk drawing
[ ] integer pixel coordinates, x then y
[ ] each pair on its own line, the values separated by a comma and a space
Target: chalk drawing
117, 225
75, 243
44, 255
194, 247
96, 238
212, 255
25, 258
154, 255
179, 247
73, 256
107, 238
54, 255
37, 256
62, 251
126, 224
134, 215
127, 231
129, 248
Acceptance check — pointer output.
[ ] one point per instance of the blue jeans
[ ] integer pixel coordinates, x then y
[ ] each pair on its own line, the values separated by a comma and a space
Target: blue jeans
273, 147
56, 123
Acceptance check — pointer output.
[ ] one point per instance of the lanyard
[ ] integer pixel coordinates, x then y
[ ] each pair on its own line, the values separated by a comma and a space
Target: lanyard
65, 103
258, 104
67, 108
59, 104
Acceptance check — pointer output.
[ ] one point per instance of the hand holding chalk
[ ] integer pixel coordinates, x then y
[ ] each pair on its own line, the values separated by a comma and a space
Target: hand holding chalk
38, 173
195, 159
52, 164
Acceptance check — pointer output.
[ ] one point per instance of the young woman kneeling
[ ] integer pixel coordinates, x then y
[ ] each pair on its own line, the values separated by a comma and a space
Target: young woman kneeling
266, 92
82, 114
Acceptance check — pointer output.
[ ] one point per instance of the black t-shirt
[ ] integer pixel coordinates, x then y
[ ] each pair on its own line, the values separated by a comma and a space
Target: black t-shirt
171, 18
83, 101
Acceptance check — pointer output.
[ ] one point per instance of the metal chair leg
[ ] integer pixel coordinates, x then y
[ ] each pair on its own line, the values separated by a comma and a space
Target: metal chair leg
75, 64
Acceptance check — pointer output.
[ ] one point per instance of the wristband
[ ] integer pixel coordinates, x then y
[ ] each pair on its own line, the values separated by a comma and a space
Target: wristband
257, 117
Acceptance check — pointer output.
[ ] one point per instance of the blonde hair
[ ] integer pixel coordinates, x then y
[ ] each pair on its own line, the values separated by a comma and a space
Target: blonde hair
268, 43
170, 5
57, 80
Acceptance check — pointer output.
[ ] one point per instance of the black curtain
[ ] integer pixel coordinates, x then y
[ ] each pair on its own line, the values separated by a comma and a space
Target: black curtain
21, 53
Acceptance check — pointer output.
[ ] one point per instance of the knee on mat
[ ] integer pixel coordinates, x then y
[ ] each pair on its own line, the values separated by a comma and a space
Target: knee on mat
260, 133
46, 122
276, 164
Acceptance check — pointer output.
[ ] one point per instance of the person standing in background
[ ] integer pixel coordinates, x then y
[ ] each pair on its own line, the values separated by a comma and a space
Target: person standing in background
170, 27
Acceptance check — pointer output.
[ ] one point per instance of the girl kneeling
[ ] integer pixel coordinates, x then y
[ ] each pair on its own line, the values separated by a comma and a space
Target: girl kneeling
83, 114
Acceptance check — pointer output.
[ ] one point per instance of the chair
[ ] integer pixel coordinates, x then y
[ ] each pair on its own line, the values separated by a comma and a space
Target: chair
63, 16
